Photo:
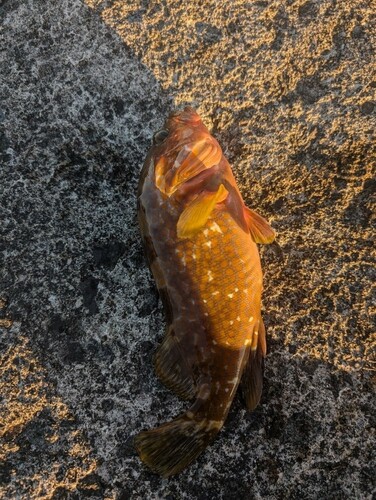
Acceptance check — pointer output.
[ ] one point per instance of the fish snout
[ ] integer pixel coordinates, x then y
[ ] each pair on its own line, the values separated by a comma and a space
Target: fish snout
187, 116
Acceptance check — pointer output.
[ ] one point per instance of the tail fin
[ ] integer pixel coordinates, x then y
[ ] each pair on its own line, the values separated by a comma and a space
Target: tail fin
170, 448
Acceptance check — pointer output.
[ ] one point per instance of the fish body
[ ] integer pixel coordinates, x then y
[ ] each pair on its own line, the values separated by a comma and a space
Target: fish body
200, 241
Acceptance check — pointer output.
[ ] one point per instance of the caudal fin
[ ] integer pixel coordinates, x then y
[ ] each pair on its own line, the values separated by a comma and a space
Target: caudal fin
170, 448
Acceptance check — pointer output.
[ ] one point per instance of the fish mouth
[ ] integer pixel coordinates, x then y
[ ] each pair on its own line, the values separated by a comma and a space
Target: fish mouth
184, 149
187, 115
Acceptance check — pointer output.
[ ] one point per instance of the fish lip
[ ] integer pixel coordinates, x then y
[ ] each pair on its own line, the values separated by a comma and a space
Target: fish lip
186, 115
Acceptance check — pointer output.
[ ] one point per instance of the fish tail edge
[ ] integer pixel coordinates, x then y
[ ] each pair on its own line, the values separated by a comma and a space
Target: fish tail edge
170, 448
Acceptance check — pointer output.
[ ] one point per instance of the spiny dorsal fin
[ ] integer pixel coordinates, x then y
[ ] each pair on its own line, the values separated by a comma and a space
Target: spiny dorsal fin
195, 215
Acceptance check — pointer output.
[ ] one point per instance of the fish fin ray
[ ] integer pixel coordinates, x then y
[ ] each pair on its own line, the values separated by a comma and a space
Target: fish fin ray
252, 379
173, 369
235, 206
196, 214
261, 231
168, 449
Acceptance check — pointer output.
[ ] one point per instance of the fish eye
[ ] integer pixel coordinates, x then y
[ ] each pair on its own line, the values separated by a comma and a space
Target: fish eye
160, 136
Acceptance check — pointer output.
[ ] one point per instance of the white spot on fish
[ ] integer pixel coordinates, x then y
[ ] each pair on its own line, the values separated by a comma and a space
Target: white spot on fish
238, 318
208, 243
194, 256
250, 319
214, 424
210, 276
245, 290
215, 293
206, 232
236, 290
204, 301
204, 392
230, 295
256, 333
231, 322
248, 342
215, 227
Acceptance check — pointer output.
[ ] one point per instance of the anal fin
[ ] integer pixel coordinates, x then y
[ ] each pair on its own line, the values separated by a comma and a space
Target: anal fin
252, 379
173, 368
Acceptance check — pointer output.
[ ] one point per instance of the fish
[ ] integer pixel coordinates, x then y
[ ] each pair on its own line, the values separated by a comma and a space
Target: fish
200, 241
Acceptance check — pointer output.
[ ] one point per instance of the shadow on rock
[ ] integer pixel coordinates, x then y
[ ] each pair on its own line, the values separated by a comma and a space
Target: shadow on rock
78, 113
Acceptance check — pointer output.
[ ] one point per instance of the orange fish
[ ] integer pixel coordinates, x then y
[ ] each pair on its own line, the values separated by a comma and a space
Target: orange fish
200, 241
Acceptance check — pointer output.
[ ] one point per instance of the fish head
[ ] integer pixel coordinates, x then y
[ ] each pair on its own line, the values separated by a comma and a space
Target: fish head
182, 150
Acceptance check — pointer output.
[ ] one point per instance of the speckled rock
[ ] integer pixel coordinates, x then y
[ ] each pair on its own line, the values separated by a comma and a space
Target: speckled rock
289, 90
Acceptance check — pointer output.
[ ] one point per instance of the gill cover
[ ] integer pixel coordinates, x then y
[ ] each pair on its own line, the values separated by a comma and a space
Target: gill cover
192, 159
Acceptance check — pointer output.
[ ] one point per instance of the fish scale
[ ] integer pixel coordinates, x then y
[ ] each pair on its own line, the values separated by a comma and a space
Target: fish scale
232, 297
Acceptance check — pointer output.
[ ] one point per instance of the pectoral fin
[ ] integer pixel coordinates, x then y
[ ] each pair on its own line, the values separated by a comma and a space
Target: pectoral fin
260, 229
235, 207
195, 215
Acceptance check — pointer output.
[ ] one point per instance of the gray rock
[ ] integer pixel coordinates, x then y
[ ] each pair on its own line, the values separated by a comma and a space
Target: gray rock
287, 92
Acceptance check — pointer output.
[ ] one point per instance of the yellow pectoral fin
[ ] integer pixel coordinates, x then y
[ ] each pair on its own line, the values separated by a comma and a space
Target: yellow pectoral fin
260, 229
195, 215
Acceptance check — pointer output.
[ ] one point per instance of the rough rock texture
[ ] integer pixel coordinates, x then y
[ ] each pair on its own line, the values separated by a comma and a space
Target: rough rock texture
289, 90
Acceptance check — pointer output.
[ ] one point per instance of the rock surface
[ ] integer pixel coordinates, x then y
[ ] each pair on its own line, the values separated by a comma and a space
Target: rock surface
289, 90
